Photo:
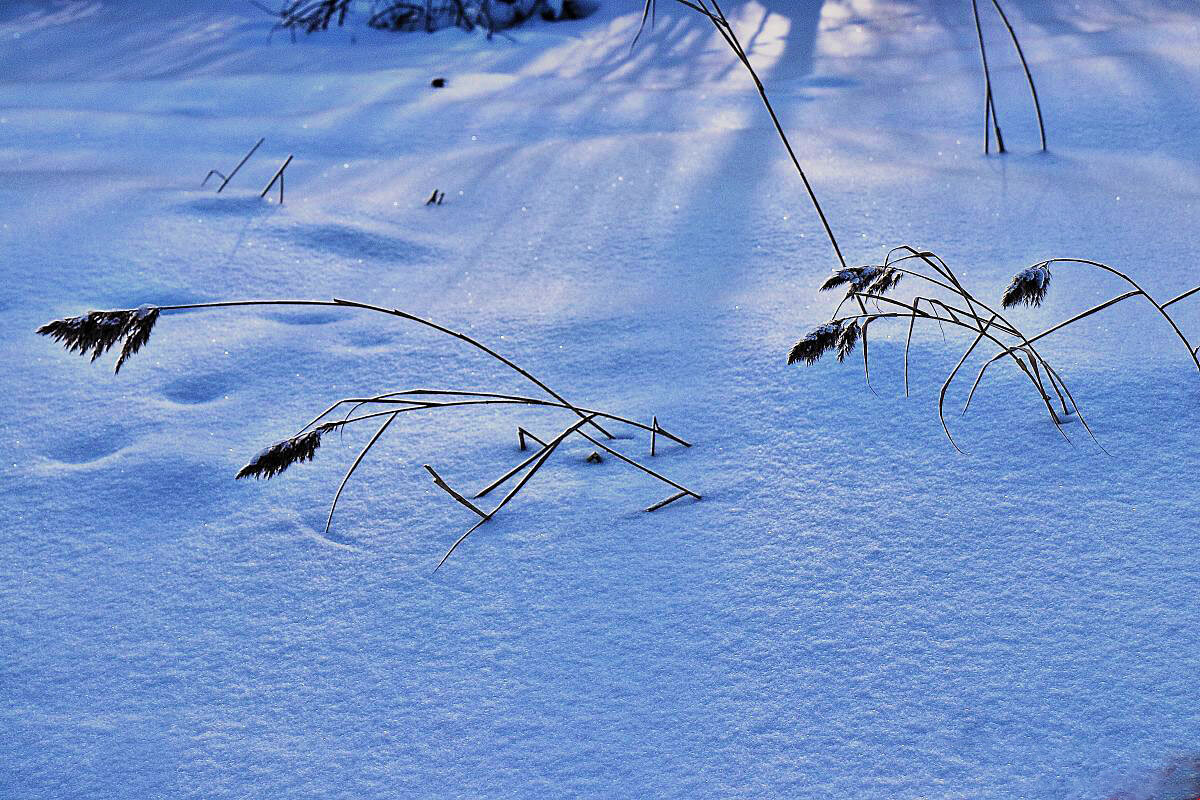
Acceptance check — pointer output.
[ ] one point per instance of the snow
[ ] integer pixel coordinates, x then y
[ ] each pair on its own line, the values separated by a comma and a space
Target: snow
853, 610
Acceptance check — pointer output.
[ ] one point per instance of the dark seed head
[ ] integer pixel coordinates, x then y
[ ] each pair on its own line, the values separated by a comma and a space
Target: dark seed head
847, 339
869, 280
1028, 286
817, 343
95, 333
281, 455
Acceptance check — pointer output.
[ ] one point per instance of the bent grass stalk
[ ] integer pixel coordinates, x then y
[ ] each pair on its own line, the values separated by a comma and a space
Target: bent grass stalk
873, 284
97, 332
1029, 287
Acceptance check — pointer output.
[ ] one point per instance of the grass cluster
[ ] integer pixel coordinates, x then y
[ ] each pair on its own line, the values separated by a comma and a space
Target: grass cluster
97, 332
869, 290
311, 16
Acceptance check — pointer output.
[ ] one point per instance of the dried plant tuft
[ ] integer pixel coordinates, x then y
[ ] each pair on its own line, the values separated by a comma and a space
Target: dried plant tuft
1028, 286
275, 459
957, 307
95, 333
98, 331
817, 343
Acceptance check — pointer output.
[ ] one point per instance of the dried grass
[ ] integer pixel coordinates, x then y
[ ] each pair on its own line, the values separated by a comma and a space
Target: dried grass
97, 332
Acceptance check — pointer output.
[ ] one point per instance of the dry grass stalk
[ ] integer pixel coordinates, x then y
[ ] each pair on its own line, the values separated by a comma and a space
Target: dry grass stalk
717, 17
97, 332
990, 121
957, 307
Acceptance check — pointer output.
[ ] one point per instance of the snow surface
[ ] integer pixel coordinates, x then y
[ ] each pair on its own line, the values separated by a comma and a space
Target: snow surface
853, 610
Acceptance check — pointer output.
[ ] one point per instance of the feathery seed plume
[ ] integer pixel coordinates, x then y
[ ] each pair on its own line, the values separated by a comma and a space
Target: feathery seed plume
97, 332
281, 455
847, 339
816, 344
137, 333
1028, 286
869, 279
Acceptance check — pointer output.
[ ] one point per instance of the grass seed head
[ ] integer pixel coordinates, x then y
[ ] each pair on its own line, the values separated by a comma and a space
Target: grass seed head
884, 281
97, 332
137, 333
1028, 286
847, 339
869, 280
817, 343
281, 455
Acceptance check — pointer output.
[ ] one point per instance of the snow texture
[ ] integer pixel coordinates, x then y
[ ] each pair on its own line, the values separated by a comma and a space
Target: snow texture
853, 610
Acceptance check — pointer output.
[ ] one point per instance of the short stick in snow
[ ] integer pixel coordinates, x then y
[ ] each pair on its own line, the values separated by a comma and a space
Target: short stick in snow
278, 176
95, 333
